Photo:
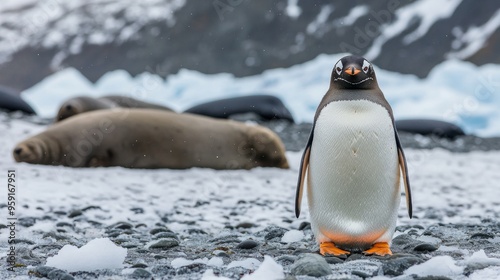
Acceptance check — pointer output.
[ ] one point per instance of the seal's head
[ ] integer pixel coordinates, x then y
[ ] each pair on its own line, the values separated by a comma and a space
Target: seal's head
32, 150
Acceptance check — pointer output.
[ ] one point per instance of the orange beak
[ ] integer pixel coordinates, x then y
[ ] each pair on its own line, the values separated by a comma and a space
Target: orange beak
352, 70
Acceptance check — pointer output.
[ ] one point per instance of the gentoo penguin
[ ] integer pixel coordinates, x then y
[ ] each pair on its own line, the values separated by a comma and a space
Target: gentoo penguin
353, 161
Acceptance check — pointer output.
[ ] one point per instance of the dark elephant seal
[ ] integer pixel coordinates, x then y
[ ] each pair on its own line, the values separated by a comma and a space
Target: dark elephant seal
267, 107
430, 127
12, 101
81, 104
148, 138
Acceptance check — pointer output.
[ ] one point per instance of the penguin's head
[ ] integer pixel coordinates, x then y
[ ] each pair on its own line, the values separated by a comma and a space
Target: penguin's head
353, 72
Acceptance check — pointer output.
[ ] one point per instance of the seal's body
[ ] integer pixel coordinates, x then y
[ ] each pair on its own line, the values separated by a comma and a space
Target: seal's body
353, 159
148, 138
82, 104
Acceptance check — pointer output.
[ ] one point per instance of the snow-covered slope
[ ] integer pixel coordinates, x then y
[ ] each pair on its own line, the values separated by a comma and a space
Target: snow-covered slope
454, 91
38, 38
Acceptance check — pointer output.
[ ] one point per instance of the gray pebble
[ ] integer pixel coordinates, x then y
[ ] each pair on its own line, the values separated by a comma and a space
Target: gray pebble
44, 270
164, 243
245, 225
58, 274
333, 260
75, 213
311, 265
26, 221
122, 225
141, 273
166, 235
275, 232
247, 244
425, 247
395, 266
158, 230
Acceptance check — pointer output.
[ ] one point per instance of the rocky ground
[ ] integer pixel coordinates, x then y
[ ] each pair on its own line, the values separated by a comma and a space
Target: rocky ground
181, 224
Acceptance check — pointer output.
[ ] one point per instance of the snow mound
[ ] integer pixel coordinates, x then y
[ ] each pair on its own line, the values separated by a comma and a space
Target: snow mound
100, 253
437, 266
268, 270
292, 236
480, 259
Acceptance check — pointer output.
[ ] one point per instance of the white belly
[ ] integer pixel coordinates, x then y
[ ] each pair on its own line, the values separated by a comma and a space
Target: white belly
353, 180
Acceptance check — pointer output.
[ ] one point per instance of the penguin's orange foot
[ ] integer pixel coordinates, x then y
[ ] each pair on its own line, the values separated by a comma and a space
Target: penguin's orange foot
328, 248
380, 249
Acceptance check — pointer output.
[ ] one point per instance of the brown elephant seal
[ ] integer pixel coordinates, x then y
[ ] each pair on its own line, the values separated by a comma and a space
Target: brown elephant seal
148, 138
82, 104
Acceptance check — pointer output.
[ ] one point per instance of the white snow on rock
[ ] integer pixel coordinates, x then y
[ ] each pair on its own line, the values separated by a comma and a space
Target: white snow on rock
423, 10
268, 270
437, 266
292, 236
470, 42
75, 23
100, 253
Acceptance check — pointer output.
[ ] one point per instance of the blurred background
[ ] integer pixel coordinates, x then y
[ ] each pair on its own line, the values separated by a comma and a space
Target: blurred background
435, 58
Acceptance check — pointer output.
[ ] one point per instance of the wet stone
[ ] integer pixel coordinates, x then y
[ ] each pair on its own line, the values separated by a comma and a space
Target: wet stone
425, 247
122, 225
58, 274
141, 273
395, 266
164, 243
26, 221
311, 265
44, 270
75, 213
305, 225
247, 244
245, 225
159, 229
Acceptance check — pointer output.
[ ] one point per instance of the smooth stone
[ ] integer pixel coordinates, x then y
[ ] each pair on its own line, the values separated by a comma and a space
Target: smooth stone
333, 260
245, 225
58, 274
396, 266
122, 225
159, 229
304, 225
26, 221
311, 265
425, 247
44, 270
164, 243
141, 273
247, 244
75, 213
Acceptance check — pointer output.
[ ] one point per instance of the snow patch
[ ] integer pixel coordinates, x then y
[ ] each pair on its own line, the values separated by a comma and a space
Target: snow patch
437, 266
268, 270
292, 236
474, 39
424, 11
100, 253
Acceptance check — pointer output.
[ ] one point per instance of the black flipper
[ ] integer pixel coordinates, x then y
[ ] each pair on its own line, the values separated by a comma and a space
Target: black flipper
304, 165
404, 170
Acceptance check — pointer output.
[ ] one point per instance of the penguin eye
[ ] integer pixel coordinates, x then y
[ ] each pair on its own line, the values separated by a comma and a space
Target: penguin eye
338, 67
366, 66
